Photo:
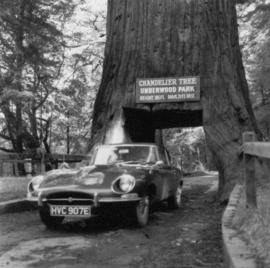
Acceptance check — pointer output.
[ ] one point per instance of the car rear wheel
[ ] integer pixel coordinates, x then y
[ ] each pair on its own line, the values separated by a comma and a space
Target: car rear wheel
49, 221
141, 211
174, 201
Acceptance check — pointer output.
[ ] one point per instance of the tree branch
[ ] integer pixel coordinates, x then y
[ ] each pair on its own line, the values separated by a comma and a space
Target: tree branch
261, 7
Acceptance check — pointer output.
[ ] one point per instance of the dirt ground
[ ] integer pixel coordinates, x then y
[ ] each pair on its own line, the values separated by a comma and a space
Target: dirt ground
188, 237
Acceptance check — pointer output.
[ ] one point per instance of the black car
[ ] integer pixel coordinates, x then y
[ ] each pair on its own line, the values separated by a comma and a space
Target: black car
123, 176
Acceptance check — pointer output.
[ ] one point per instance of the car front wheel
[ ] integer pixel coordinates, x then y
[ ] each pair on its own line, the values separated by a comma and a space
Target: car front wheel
174, 201
49, 221
142, 211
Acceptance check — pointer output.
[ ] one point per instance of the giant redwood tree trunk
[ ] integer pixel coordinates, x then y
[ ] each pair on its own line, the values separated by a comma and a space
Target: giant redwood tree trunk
172, 38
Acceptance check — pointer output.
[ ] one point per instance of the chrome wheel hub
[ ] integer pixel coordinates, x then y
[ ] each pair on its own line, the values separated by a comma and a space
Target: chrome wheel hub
144, 205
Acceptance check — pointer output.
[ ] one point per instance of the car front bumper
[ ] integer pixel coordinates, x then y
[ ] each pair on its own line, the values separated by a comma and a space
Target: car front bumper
32, 197
103, 205
129, 197
132, 197
96, 201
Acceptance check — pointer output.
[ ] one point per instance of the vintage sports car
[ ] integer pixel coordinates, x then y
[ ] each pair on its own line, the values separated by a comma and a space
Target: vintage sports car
127, 176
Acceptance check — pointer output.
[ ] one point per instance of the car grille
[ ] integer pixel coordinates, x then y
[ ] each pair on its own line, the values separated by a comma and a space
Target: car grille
70, 198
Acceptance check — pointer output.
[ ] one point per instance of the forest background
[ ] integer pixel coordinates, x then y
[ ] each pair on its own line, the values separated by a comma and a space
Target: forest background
51, 56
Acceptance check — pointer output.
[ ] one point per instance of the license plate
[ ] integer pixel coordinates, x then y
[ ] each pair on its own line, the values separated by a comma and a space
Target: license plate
72, 211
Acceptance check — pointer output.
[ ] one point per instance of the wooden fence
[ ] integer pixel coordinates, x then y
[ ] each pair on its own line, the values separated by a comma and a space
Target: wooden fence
34, 164
253, 150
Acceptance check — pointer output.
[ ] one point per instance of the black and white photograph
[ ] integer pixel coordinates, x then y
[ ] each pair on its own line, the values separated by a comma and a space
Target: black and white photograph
134, 133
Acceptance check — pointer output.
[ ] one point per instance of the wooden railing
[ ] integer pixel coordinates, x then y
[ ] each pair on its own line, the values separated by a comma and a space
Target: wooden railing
253, 150
35, 164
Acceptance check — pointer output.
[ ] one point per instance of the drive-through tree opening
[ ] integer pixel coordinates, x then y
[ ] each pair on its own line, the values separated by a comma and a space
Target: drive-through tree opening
180, 132
188, 150
141, 124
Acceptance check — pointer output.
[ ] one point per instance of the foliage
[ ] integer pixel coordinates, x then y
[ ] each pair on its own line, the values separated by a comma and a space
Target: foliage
50, 67
51, 55
31, 59
72, 110
254, 20
187, 147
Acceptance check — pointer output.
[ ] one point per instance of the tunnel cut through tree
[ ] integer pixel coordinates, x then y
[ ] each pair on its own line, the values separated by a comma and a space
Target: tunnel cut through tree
174, 38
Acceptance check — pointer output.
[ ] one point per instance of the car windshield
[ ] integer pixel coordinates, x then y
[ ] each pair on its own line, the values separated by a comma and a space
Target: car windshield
107, 155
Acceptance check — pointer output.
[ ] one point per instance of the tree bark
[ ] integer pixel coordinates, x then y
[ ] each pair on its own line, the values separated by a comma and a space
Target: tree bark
173, 38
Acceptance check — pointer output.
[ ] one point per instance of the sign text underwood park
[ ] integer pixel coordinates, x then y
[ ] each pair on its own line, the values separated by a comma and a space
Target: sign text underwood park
153, 90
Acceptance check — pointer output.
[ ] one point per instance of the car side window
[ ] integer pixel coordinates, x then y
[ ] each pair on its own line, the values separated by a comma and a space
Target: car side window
163, 156
167, 155
152, 158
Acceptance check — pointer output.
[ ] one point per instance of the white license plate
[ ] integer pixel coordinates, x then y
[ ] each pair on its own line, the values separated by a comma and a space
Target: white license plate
72, 211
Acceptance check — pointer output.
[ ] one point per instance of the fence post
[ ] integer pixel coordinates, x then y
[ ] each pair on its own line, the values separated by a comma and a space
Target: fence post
249, 173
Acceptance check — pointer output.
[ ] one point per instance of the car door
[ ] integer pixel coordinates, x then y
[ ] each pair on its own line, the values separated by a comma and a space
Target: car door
168, 176
175, 174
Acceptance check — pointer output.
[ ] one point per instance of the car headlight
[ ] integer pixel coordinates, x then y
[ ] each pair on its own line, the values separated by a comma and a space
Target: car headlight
35, 183
35, 186
126, 183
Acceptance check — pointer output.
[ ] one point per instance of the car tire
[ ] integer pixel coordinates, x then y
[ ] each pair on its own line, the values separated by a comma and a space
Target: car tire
49, 221
174, 201
141, 211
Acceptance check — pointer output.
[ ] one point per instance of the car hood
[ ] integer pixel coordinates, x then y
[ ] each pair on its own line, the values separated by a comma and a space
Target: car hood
94, 177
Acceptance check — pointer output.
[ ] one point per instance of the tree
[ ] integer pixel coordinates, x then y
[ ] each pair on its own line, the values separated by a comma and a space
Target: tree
30, 61
166, 38
72, 104
254, 38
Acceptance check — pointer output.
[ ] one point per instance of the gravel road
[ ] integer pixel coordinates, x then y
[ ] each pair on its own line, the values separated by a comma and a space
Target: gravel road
184, 238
